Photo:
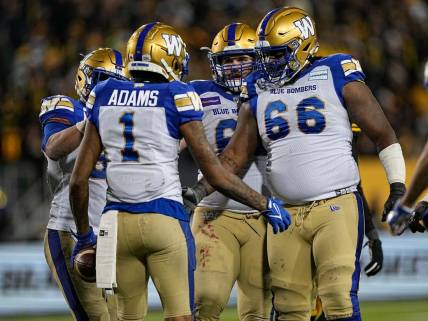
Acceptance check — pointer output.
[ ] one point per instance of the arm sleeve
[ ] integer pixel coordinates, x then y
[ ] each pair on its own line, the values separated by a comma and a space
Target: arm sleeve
92, 108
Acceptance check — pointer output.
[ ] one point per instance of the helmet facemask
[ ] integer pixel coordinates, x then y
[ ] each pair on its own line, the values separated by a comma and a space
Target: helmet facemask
228, 73
279, 64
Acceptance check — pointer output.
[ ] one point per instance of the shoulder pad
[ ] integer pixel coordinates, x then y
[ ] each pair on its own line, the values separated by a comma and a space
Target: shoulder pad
56, 102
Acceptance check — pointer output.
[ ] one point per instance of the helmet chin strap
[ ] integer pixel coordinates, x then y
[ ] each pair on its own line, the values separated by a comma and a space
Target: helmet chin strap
169, 69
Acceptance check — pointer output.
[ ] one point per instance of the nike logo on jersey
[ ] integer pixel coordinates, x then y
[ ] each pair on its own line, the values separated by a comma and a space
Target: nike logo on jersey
142, 98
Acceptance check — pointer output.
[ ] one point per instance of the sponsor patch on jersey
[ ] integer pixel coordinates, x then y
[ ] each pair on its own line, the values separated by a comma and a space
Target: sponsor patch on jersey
350, 65
318, 74
209, 101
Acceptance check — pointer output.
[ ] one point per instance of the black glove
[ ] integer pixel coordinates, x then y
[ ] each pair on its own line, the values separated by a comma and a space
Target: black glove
414, 223
396, 191
376, 254
192, 196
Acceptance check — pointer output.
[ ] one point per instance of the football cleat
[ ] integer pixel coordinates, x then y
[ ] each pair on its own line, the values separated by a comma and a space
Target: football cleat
235, 40
96, 66
157, 48
286, 41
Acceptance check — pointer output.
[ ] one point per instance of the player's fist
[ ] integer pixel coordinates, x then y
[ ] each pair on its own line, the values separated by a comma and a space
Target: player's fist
83, 241
376, 255
398, 218
192, 196
277, 215
396, 191
421, 213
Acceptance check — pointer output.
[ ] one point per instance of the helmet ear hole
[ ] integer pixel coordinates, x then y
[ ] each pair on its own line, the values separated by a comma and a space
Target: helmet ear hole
306, 47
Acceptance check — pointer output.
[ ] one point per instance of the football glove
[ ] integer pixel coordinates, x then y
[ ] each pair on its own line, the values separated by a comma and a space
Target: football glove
376, 255
192, 196
396, 191
421, 211
277, 215
398, 218
83, 241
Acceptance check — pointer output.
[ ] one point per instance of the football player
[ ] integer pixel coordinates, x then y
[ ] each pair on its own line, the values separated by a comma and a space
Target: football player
140, 124
403, 215
230, 236
302, 109
63, 120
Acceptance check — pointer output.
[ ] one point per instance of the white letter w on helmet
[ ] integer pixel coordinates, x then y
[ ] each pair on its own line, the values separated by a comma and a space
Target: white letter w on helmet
173, 44
305, 26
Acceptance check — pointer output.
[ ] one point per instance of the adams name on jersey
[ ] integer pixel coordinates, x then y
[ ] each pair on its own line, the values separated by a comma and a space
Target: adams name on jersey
305, 128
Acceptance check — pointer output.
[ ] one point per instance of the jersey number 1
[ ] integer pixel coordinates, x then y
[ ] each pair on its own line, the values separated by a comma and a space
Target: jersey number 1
128, 153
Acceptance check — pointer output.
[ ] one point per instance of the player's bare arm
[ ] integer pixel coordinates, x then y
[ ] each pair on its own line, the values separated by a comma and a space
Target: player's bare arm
79, 193
64, 142
419, 181
243, 142
215, 173
240, 148
366, 112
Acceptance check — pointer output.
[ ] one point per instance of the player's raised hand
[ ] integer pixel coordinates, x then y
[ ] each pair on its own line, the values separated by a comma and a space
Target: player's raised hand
421, 212
277, 215
396, 191
83, 241
398, 219
376, 255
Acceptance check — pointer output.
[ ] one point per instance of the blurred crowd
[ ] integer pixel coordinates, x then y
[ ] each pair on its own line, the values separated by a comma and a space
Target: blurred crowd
41, 42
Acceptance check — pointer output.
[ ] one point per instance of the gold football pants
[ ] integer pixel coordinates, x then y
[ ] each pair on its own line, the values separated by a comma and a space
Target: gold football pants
85, 301
230, 247
161, 247
322, 245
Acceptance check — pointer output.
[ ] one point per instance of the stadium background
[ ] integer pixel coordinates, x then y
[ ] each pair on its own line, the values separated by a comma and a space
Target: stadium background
41, 41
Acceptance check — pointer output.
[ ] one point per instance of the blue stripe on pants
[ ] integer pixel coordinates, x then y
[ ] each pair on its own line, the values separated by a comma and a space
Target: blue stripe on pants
357, 270
191, 259
58, 259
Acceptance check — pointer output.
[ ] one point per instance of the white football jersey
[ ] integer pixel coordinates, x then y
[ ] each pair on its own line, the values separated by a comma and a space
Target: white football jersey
59, 113
139, 125
306, 131
219, 120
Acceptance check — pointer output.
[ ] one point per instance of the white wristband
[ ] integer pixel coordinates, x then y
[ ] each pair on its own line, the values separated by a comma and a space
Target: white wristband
393, 162
81, 125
